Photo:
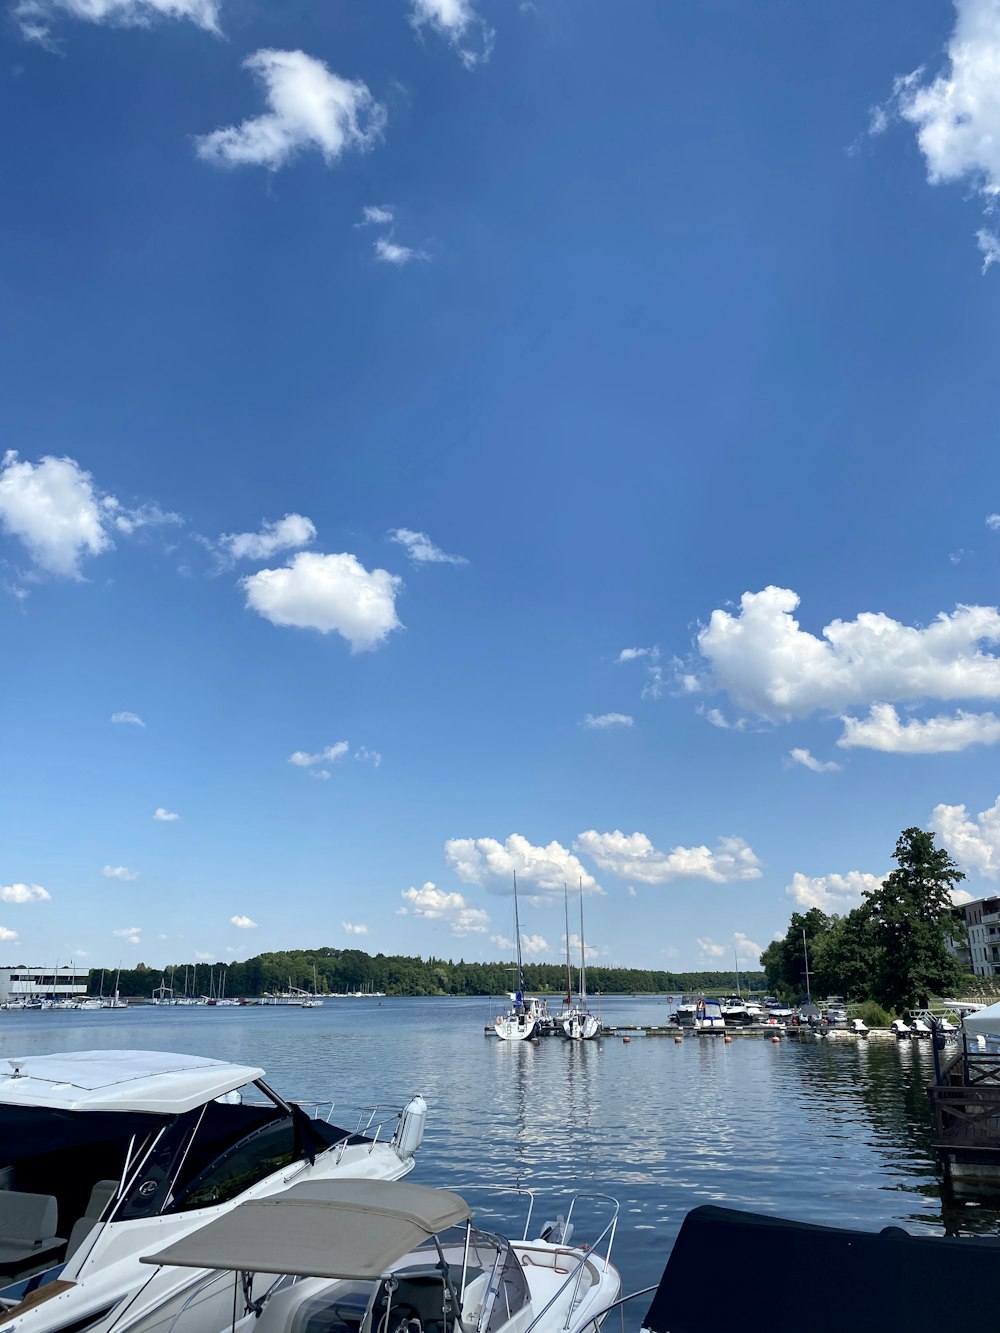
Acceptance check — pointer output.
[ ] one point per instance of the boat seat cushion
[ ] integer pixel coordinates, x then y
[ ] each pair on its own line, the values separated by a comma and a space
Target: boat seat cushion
27, 1228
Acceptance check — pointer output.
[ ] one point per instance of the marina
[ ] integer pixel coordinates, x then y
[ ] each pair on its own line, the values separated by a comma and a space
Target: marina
832, 1132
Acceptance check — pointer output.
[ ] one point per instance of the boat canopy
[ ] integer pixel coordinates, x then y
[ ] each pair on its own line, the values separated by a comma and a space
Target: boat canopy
325, 1228
985, 1023
155, 1082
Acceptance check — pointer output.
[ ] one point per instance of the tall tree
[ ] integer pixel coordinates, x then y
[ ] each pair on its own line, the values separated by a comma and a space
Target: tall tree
784, 960
910, 919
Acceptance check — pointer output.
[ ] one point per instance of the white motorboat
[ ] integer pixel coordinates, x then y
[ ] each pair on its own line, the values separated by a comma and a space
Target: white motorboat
382, 1257
859, 1027
707, 1018
900, 1029
105, 1155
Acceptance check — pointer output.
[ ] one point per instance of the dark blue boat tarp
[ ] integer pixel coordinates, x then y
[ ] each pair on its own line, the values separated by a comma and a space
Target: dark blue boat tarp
729, 1267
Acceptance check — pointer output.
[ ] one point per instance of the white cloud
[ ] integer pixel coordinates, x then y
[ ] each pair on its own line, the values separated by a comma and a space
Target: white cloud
631, 891
746, 948
719, 719
502, 942
534, 945
282, 534
388, 251
329, 755
24, 893
129, 719
164, 816
457, 21
809, 760
633, 856
310, 107
7, 934
605, 720
993, 522
653, 688
202, 956
120, 872
328, 593
366, 756
243, 922
832, 893
421, 549
883, 730
352, 929
631, 654
974, 843
989, 248
35, 16
54, 509
769, 666
377, 215
434, 904
131, 934
492, 865
709, 950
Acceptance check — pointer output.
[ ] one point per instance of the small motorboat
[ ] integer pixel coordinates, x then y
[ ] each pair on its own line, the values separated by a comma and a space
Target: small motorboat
859, 1027
107, 1154
900, 1029
375, 1256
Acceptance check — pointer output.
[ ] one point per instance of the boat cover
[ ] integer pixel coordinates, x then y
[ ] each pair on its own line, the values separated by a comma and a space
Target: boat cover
157, 1082
985, 1023
824, 1279
322, 1228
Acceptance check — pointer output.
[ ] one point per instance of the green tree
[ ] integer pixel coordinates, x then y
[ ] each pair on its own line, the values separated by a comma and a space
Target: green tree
784, 960
910, 918
842, 960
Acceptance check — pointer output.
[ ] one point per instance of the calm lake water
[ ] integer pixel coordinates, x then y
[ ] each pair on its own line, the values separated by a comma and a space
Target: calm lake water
823, 1132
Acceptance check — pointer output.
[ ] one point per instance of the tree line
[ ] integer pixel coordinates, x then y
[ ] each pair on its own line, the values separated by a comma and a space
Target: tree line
334, 971
893, 949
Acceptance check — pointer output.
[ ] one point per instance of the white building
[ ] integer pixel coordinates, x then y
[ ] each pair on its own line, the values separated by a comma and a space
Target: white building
40, 983
982, 922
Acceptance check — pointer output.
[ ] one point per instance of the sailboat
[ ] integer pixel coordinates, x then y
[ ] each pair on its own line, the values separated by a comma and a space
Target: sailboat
580, 1024
522, 1019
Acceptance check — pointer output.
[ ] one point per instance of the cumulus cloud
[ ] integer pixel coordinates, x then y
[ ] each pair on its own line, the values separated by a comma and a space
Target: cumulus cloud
128, 719
351, 928
35, 17
883, 730
24, 893
492, 865
120, 872
366, 756
243, 922
993, 522
329, 593
974, 842
131, 934
502, 942
421, 550
202, 956
653, 686
956, 114
719, 719
989, 247
709, 950
388, 251
573, 948
282, 534
310, 107
164, 816
534, 945
768, 665
377, 215
632, 654
7, 934
329, 755
57, 513
832, 893
746, 948
809, 760
435, 904
459, 24
603, 721
633, 856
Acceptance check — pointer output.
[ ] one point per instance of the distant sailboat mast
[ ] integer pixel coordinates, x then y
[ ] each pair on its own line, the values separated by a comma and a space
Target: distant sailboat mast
517, 934
583, 956
569, 970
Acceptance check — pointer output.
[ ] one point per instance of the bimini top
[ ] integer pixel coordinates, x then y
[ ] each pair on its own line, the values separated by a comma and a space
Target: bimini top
985, 1023
321, 1228
155, 1081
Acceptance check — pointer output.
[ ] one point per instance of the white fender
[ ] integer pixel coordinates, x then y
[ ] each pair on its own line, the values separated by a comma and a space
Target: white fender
410, 1133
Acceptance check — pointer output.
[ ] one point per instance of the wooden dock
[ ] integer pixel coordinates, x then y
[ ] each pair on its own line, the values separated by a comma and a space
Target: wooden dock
965, 1108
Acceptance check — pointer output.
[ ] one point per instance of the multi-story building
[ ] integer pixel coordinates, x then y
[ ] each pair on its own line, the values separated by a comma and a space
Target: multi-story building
982, 923
20, 984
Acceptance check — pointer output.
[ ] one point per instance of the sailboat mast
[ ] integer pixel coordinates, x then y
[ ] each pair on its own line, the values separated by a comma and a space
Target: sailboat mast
569, 970
736, 960
517, 933
583, 955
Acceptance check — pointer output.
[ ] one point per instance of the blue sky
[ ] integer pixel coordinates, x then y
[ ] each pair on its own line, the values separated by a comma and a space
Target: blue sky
446, 438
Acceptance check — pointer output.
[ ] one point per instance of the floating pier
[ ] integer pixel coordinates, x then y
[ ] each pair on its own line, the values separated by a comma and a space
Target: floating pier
965, 1109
